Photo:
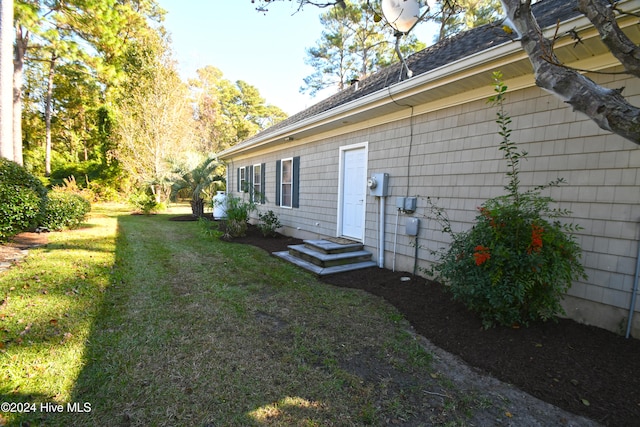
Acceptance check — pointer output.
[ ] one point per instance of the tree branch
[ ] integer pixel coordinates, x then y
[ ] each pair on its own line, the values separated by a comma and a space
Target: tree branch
606, 107
602, 15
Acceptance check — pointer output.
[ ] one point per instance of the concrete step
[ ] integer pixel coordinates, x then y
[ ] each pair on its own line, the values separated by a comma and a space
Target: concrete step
323, 271
323, 259
329, 247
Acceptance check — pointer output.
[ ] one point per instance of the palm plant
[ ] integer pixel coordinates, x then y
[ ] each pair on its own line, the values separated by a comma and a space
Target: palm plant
198, 182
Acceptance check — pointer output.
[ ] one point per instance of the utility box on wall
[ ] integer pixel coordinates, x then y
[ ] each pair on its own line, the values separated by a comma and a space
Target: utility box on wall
411, 226
378, 184
406, 204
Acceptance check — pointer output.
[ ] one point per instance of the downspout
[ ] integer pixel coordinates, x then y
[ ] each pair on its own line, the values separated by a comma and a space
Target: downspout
634, 293
395, 240
382, 231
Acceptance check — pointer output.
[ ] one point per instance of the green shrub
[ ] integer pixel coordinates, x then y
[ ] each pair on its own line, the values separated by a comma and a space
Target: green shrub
238, 211
19, 209
64, 210
20, 199
209, 228
518, 260
269, 223
12, 173
145, 202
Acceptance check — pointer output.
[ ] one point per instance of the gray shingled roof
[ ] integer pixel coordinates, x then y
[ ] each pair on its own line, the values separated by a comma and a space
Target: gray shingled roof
548, 12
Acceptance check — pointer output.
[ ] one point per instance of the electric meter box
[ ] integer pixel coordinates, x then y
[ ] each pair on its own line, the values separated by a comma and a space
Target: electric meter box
378, 184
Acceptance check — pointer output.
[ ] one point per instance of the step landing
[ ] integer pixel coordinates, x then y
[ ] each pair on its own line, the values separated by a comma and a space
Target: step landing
324, 257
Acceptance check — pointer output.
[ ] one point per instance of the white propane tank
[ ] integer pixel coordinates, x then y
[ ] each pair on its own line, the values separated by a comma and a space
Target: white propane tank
220, 205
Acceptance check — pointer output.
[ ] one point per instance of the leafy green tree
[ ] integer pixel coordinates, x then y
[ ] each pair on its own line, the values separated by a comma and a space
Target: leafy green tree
331, 58
87, 40
154, 124
227, 113
197, 181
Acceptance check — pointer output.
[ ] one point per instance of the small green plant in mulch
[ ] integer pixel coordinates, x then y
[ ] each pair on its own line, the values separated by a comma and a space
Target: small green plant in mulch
268, 223
238, 212
209, 228
518, 260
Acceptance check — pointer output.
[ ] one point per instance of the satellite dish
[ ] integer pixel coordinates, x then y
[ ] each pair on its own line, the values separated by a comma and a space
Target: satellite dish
402, 15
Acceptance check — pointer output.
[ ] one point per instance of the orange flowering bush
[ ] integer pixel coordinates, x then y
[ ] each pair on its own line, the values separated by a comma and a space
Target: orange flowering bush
481, 254
518, 260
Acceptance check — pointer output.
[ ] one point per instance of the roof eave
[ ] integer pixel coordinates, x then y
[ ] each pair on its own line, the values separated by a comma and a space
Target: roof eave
399, 95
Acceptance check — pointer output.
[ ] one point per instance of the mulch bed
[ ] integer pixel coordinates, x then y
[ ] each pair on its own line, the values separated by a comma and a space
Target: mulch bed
583, 369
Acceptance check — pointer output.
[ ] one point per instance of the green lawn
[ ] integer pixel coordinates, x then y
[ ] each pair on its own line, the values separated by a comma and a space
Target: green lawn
141, 321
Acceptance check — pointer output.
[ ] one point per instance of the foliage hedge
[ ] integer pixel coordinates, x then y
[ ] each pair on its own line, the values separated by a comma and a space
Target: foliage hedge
12, 173
64, 210
21, 196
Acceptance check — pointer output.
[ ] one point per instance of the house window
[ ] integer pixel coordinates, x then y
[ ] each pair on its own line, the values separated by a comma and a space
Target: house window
242, 180
258, 183
287, 182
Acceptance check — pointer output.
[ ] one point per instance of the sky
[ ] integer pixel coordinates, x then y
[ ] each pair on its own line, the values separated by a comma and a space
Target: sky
264, 50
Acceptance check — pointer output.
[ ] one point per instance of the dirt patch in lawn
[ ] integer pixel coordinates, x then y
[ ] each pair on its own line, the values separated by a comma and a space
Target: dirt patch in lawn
582, 369
14, 250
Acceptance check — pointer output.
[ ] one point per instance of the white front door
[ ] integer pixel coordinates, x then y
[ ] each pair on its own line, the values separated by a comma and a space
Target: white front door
353, 191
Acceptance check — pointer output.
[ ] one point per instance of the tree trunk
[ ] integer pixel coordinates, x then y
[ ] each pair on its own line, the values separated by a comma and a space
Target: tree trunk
47, 115
6, 80
197, 207
606, 107
18, 66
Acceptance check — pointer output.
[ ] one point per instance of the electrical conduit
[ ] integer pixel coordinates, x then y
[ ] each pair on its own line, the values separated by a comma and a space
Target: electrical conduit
382, 232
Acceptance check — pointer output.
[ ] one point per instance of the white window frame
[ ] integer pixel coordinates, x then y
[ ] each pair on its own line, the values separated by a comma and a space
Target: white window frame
243, 180
257, 182
290, 183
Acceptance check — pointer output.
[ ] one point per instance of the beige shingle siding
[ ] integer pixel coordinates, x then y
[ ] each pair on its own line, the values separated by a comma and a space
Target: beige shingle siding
455, 157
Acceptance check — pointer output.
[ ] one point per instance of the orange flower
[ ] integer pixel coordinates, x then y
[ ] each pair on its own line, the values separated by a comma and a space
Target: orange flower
536, 238
481, 254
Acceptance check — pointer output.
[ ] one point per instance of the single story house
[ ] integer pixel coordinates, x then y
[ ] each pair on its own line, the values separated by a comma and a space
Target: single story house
434, 135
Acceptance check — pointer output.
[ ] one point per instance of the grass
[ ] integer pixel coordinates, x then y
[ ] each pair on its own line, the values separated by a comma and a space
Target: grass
141, 321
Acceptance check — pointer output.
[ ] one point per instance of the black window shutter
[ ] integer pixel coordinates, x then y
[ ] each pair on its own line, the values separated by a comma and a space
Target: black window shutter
250, 184
278, 179
238, 184
295, 202
262, 184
